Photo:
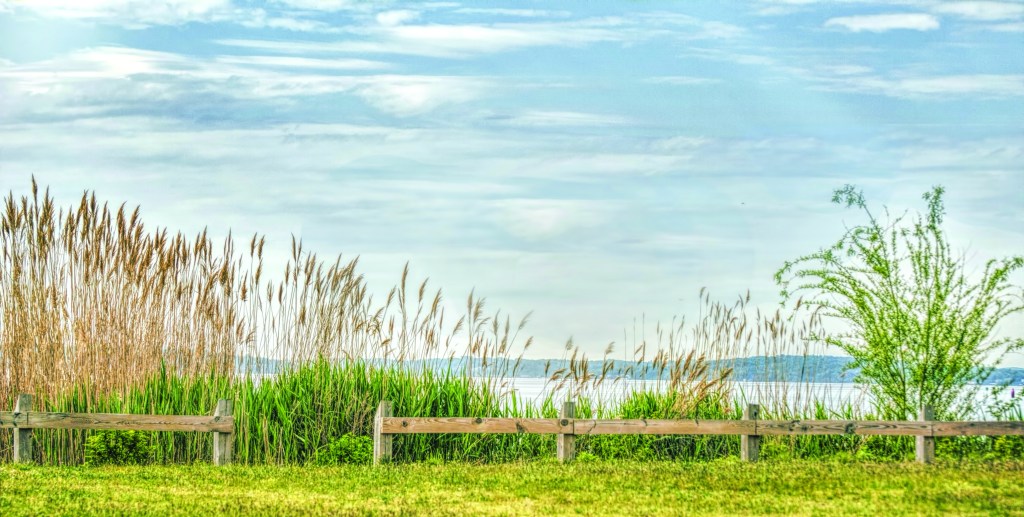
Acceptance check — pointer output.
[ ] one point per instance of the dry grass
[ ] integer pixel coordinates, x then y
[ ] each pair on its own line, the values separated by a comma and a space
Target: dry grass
93, 300
696, 362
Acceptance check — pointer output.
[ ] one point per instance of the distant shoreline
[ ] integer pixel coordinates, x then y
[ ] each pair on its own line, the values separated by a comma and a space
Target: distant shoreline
819, 369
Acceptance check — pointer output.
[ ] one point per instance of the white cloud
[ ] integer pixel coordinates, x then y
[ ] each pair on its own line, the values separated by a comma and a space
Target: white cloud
978, 155
590, 166
392, 34
982, 10
143, 13
397, 17
95, 79
847, 69
677, 144
539, 118
976, 85
410, 95
449, 41
885, 22
682, 80
305, 62
539, 219
129, 12
258, 19
322, 5
1007, 27
468, 40
522, 13
741, 58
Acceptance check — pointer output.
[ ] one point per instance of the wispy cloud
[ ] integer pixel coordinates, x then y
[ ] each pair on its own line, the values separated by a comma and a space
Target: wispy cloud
96, 79
323, 5
846, 69
885, 22
538, 118
537, 219
305, 62
396, 17
924, 87
392, 33
445, 41
259, 19
406, 96
990, 154
455, 41
682, 80
521, 13
981, 10
1007, 27
129, 12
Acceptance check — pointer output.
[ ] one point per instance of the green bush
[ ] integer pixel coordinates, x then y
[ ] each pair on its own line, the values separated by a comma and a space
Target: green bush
118, 448
920, 327
348, 449
1008, 447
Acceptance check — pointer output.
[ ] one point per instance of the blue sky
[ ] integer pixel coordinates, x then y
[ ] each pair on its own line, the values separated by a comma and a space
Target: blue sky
593, 162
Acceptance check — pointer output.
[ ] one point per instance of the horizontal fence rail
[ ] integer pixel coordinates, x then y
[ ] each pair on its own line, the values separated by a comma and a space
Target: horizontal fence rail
23, 420
115, 422
398, 425
750, 429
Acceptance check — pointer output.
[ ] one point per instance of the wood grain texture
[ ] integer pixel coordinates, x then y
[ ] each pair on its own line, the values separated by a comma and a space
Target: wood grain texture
382, 439
750, 444
10, 420
224, 442
23, 434
469, 425
641, 426
113, 421
400, 425
566, 444
924, 446
977, 428
862, 427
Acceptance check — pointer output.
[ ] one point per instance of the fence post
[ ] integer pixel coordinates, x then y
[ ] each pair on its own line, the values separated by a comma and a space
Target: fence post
750, 445
381, 442
22, 437
223, 442
567, 442
925, 445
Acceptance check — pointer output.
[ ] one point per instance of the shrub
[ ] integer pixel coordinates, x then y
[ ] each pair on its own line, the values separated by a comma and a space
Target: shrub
919, 328
348, 449
118, 448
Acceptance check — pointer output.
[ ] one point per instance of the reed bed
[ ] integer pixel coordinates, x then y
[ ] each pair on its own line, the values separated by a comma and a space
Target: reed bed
100, 314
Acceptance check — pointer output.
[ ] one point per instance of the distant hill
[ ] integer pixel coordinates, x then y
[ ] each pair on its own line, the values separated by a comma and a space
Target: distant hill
813, 368
753, 369
794, 368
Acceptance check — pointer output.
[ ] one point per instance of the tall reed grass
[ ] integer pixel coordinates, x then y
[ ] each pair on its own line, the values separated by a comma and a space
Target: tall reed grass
100, 314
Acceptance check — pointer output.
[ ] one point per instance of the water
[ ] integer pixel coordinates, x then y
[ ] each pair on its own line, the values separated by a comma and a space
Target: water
835, 397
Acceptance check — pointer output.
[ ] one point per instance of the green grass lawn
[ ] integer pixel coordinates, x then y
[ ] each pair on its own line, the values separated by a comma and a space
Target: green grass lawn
725, 487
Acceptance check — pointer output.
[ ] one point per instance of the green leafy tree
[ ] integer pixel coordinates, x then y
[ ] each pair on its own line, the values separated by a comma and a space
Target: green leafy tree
918, 327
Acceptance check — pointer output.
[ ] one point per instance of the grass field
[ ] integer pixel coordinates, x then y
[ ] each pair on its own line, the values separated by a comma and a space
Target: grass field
725, 487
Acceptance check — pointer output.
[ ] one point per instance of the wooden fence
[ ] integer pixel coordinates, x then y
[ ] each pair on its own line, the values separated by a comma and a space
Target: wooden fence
23, 420
750, 429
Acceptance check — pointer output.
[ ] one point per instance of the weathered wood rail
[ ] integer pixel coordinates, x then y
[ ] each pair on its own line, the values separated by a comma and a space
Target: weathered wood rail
750, 429
23, 420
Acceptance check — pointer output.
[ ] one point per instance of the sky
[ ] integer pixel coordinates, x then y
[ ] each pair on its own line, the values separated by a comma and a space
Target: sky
597, 163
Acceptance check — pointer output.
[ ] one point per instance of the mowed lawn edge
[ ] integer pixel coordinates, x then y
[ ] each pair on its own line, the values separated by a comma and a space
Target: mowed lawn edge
725, 487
